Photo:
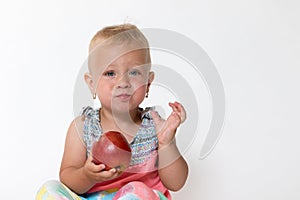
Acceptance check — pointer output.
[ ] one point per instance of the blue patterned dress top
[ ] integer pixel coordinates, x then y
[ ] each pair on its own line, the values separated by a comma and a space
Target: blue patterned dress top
144, 143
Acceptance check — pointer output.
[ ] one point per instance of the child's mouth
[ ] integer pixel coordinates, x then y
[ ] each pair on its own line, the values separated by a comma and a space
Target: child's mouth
124, 97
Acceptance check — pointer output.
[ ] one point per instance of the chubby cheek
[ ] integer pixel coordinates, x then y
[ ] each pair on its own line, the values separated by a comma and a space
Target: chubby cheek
139, 94
105, 100
104, 92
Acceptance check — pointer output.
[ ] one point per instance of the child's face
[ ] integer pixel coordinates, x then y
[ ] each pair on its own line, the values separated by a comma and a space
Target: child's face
122, 84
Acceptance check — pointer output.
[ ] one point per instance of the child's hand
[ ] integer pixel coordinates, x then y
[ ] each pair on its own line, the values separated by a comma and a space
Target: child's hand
96, 173
166, 129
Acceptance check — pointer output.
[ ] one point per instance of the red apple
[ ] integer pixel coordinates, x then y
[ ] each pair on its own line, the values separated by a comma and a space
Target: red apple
113, 150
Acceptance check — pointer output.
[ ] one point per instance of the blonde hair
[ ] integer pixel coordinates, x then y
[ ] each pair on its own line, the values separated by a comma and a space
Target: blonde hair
119, 34
124, 34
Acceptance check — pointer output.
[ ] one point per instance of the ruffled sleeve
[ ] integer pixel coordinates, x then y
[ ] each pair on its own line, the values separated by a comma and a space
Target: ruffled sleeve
91, 128
146, 114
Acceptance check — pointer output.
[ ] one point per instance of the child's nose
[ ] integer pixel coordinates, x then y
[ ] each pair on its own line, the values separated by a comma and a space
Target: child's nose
123, 81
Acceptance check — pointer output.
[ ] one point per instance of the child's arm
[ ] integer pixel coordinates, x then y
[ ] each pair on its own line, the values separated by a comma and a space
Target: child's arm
78, 172
173, 169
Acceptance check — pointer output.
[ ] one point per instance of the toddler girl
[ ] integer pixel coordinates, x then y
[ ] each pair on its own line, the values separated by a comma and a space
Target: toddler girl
119, 75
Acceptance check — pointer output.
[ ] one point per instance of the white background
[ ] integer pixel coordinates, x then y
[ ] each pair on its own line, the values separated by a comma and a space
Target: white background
254, 44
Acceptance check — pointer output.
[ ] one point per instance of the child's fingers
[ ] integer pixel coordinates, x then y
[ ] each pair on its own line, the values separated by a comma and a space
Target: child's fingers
97, 168
182, 112
158, 121
177, 107
94, 167
156, 118
173, 106
100, 167
176, 119
109, 174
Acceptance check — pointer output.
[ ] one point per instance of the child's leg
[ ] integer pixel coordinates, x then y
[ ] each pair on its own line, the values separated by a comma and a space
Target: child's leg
138, 191
103, 195
55, 190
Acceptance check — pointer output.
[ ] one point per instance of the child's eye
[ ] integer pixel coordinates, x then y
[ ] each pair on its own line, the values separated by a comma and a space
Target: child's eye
109, 73
134, 73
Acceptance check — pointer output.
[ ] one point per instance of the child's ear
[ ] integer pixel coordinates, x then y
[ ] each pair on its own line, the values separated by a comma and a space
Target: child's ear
89, 81
151, 78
